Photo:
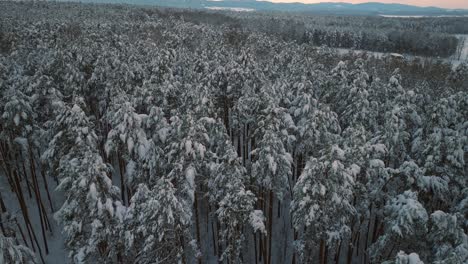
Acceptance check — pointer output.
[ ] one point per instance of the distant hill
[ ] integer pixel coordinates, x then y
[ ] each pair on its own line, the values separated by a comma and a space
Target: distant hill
371, 8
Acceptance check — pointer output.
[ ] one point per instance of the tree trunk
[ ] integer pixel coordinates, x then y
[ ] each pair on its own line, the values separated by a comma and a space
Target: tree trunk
33, 163
294, 250
255, 247
325, 259
197, 223
6, 165
2, 204
25, 177
122, 181
337, 256
21, 233
42, 214
213, 233
270, 225
26, 218
322, 252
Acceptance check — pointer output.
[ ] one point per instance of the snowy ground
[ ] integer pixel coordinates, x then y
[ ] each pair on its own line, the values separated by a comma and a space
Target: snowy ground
461, 55
462, 51
57, 252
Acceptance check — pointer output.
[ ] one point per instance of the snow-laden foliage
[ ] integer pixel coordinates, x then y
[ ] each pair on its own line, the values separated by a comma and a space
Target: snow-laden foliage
406, 219
228, 192
159, 224
91, 209
323, 195
450, 242
403, 258
232, 137
11, 252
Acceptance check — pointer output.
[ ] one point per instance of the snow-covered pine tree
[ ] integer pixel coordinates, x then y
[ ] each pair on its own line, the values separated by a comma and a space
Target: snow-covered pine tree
91, 208
316, 124
322, 202
448, 241
158, 222
405, 224
11, 252
271, 167
445, 141
128, 140
228, 192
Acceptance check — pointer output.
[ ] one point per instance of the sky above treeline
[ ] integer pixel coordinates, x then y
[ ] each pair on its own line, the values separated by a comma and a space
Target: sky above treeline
438, 3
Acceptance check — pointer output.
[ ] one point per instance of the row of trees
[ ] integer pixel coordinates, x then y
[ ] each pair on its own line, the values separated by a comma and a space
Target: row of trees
175, 142
416, 36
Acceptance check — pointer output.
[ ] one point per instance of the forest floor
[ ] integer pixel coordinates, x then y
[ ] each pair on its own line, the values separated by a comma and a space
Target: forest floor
55, 238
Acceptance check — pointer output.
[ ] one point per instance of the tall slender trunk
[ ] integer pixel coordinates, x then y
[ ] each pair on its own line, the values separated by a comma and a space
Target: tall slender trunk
213, 234
37, 190
239, 145
21, 233
337, 256
244, 143
122, 175
226, 113
375, 231
260, 245
6, 165
24, 210
26, 218
255, 247
322, 252
325, 259
260, 239
358, 247
366, 244
42, 214
25, 177
294, 250
2, 204
270, 225
197, 223
354, 239
46, 184
3, 210
220, 245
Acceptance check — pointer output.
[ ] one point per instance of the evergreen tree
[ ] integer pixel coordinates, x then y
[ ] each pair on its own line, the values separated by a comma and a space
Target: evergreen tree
10, 252
322, 203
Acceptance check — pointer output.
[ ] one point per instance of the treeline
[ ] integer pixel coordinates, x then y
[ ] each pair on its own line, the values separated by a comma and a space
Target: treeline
181, 142
379, 38
424, 37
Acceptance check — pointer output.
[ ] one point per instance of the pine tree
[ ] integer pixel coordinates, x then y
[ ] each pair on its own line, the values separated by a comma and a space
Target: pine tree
11, 252
160, 223
91, 210
84, 178
448, 240
128, 140
227, 185
322, 200
405, 223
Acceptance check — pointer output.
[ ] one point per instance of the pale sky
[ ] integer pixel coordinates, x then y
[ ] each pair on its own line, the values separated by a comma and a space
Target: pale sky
438, 3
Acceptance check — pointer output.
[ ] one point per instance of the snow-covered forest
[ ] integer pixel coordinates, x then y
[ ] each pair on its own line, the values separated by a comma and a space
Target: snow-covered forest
148, 135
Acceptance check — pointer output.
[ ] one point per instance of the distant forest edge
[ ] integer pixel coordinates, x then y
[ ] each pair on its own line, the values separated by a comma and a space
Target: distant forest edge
428, 36
370, 8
